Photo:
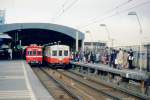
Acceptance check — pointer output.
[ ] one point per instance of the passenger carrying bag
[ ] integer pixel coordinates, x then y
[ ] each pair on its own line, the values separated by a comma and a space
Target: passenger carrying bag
130, 58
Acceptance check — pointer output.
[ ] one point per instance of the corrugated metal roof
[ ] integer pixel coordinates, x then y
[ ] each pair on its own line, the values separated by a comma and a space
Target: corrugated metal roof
48, 26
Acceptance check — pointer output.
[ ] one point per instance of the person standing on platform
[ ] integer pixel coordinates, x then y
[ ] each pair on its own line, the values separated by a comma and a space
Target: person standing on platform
125, 59
120, 59
106, 56
97, 57
86, 57
112, 58
10, 53
94, 58
91, 58
130, 59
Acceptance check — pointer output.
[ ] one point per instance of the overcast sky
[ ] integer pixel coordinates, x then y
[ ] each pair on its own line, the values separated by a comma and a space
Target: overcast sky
86, 15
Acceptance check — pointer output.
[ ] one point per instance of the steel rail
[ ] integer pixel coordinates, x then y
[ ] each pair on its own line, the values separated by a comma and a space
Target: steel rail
94, 88
63, 86
115, 87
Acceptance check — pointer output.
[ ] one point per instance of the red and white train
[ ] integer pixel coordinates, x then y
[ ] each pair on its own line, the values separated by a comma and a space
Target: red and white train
57, 55
34, 54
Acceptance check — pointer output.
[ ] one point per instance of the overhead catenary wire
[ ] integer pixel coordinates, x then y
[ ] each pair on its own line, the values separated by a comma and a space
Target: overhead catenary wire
57, 13
113, 9
65, 8
109, 11
114, 14
71, 5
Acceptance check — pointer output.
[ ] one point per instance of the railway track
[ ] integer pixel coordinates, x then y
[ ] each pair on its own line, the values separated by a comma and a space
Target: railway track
56, 88
77, 87
102, 88
117, 92
79, 91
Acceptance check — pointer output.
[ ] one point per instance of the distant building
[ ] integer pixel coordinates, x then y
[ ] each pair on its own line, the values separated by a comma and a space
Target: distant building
2, 17
94, 46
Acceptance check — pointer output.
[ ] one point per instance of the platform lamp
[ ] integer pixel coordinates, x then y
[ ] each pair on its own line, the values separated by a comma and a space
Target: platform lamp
92, 44
140, 33
108, 33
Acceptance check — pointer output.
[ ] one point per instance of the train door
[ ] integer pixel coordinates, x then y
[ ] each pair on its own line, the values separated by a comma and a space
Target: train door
54, 53
60, 53
66, 53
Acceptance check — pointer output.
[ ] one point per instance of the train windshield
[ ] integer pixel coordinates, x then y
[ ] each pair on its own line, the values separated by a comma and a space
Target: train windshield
29, 52
39, 53
34, 52
60, 52
65, 53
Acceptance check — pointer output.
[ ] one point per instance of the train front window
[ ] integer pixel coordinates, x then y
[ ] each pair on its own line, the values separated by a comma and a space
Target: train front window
34, 52
65, 53
60, 52
29, 52
54, 53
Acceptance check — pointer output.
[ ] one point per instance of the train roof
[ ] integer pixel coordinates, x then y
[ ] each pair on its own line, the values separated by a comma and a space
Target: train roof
34, 46
58, 46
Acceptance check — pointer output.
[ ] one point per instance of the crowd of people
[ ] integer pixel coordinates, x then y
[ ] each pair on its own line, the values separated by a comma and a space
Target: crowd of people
120, 59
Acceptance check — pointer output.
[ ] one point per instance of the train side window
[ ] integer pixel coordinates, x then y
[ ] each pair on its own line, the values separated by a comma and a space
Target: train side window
60, 52
49, 52
34, 52
29, 52
65, 53
54, 53
39, 53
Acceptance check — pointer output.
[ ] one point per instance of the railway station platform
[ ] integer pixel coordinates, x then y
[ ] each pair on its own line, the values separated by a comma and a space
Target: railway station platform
142, 77
18, 82
127, 73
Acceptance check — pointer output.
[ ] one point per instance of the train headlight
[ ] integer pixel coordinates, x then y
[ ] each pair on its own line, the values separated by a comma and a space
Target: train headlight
60, 59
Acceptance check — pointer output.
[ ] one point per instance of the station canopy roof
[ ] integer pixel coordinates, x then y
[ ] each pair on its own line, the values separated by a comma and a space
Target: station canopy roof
41, 33
45, 26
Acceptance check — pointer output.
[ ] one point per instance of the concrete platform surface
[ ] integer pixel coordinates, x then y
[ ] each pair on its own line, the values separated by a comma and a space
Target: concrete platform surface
128, 73
18, 82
